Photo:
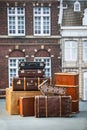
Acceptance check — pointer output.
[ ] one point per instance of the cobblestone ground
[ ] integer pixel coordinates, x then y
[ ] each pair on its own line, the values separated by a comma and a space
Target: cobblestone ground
16, 122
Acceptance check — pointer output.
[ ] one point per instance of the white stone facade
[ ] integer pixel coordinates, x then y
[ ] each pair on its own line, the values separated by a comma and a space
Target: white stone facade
78, 34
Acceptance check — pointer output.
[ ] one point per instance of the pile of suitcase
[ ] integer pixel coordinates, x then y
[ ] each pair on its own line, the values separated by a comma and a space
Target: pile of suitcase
30, 75
54, 101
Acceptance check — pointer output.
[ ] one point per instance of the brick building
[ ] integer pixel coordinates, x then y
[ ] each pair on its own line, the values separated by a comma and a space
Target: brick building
29, 31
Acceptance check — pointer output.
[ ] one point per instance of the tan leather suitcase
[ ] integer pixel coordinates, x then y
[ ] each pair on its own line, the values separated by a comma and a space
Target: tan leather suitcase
53, 106
12, 99
26, 106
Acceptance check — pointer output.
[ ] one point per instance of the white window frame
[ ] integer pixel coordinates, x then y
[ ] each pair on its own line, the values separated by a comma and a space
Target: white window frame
17, 26
15, 67
41, 15
77, 6
85, 51
47, 64
70, 51
85, 86
84, 20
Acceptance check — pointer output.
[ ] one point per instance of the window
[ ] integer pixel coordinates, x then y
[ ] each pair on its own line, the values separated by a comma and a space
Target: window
70, 51
85, 17
16, 21
77, 6
13, 68
85, 51
47, 62
41, 21
85, 86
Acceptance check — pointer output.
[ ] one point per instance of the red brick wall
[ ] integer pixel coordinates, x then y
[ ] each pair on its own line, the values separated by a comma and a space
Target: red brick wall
29, 44
28, 17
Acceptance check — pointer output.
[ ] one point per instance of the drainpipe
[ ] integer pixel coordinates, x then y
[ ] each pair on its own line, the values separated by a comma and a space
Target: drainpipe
60, 22
60, 12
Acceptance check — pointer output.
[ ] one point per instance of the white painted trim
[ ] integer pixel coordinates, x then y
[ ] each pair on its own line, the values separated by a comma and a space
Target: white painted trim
74, 27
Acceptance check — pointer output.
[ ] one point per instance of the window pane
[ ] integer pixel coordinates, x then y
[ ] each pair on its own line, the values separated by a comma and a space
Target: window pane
13, 68
11, 10
37, 10
70, 51
16, 21
20, 10
37, 25
47, 65
42, 20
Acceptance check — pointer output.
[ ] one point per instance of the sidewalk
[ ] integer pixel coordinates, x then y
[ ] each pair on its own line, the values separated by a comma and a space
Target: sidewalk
16, 122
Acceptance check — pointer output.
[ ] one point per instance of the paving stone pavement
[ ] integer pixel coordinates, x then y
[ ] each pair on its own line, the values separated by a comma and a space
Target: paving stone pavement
16, 122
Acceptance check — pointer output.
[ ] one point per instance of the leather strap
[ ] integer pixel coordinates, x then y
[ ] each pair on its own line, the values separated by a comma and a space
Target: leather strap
46, 101
38, 106
60, 106
24, 83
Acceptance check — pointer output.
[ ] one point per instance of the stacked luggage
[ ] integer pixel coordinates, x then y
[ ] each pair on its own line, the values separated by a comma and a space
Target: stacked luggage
69, 82
30, 75
34, 94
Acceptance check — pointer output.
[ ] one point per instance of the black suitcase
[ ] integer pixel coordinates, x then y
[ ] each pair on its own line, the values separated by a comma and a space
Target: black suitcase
31, 65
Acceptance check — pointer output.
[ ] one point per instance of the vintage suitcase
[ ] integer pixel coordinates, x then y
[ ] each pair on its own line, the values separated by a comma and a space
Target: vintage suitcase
75, 106
27, 84
53, 106
18, 84
31, 73
31, 84
73, 91
31, 65
26, 106
71, 79
12, 99
49, 90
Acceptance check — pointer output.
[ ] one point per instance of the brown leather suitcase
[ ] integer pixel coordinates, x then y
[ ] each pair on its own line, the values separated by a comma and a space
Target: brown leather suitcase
27, 84
71, 79
31, 73
18, 84
32, 84
53, 106
26, 106
73, 91
75, 106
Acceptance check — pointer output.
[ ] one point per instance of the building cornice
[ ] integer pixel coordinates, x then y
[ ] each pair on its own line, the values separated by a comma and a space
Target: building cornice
31, 37
73, 27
